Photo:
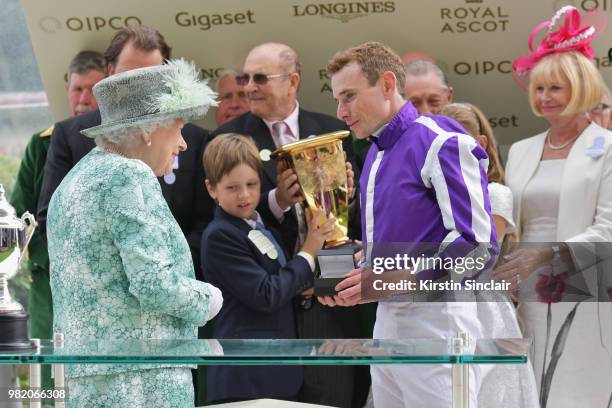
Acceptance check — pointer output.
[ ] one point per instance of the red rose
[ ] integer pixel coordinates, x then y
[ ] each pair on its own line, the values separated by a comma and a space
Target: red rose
550, 288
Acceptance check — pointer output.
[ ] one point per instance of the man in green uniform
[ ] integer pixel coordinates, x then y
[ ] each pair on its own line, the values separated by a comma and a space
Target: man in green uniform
84, 71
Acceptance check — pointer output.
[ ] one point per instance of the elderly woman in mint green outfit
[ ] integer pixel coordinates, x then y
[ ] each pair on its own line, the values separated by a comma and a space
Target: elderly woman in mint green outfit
120, 265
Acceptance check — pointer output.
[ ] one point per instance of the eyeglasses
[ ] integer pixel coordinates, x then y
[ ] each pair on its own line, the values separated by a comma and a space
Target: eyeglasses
259, 79
600, 108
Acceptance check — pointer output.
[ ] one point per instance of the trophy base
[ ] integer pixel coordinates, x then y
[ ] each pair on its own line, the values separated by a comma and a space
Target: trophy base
332, 264
338, 243
14, 332
326, 286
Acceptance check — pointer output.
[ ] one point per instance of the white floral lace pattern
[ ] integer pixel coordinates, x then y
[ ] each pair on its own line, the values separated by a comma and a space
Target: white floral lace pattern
120, 265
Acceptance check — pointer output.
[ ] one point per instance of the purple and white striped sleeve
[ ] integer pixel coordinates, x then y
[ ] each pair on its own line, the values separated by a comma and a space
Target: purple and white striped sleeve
455, 167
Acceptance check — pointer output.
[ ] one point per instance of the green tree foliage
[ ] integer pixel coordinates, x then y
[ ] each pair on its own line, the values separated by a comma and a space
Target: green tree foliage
8, 173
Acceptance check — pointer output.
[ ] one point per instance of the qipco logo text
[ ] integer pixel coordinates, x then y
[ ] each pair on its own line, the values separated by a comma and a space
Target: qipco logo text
98, 23
588, 5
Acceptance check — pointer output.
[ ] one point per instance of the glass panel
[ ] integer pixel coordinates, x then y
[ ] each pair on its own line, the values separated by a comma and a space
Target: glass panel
260, 352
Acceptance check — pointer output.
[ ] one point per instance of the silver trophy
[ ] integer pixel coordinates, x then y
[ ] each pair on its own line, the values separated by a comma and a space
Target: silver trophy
15, 234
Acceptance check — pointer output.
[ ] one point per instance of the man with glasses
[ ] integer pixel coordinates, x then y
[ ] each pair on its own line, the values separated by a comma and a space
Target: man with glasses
271, 77
602, 113
271, 80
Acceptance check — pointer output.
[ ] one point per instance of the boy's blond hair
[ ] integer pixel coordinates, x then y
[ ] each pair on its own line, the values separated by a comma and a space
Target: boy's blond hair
227, 151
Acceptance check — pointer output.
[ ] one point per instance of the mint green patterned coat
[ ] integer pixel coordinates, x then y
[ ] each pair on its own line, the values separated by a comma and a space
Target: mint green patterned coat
120, 265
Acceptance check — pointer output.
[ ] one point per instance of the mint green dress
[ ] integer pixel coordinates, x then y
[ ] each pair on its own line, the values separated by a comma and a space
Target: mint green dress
121, 268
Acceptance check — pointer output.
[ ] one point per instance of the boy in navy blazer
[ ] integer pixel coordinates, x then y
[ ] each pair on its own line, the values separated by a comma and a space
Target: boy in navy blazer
246, 262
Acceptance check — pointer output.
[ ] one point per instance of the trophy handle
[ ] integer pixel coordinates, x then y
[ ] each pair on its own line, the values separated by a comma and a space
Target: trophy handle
30, 226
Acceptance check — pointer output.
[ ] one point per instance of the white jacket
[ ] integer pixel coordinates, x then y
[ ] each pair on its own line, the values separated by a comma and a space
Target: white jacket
585, 202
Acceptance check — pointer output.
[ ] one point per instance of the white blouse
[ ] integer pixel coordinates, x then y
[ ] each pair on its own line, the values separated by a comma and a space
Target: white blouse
541, 202
501, 204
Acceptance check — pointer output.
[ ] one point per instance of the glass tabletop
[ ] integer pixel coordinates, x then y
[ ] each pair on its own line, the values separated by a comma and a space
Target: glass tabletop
268, 352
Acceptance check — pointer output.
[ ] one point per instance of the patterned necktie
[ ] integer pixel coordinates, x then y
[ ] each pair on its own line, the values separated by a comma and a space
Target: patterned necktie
281, 254
281, 133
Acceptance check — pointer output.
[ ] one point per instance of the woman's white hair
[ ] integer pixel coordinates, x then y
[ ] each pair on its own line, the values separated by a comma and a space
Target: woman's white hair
129, 137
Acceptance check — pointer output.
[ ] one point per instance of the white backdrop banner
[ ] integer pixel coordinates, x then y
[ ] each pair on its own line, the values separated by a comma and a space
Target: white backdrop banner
474, 41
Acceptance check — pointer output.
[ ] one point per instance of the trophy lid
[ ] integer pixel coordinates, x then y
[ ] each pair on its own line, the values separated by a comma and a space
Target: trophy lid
311, 142
8, 216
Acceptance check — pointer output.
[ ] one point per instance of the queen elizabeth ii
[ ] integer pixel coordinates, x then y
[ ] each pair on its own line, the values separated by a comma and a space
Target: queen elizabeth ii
120, 265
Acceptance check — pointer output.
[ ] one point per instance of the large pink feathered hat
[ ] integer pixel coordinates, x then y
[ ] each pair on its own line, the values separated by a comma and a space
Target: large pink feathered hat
566, 31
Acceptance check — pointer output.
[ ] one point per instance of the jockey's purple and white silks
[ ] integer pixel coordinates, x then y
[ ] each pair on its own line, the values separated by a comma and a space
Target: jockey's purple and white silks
425, 181
424, 185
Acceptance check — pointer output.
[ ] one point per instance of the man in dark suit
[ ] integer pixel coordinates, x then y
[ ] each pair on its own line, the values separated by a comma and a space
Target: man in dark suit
271, 79
136, 47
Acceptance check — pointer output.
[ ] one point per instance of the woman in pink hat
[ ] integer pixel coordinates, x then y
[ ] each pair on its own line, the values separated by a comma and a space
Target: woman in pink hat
562, 185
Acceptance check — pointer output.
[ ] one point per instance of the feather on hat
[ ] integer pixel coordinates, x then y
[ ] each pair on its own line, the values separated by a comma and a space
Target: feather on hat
149, 95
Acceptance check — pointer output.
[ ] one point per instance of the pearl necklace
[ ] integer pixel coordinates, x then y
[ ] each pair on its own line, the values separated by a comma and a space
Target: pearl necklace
559, 147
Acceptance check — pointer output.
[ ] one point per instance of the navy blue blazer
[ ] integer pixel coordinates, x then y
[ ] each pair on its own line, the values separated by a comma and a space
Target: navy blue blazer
257, 304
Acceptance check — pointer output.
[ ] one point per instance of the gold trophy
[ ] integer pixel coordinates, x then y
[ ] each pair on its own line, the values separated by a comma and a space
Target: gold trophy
319, 164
